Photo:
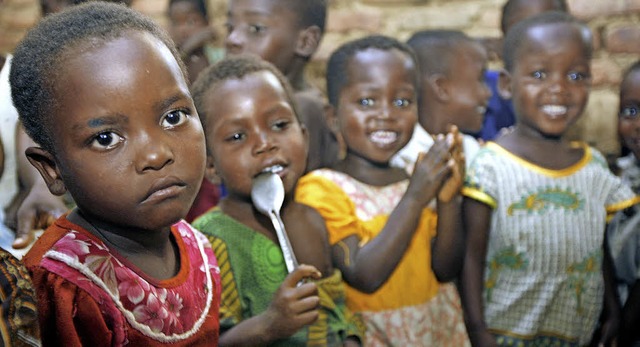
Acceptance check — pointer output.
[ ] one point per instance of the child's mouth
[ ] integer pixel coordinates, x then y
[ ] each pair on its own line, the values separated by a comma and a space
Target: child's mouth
554, 111
273, 169
383, 137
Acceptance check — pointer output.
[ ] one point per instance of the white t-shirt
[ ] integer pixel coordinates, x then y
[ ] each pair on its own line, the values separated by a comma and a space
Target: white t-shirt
8, 123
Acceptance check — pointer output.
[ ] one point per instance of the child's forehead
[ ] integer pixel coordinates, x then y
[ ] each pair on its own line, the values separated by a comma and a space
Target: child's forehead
631, 83
556, 35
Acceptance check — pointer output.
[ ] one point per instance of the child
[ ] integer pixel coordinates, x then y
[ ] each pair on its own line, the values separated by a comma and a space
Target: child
286, 33
190, 30
452, 91
251, 126
623, 229
536, 204
101, 89
499, 113
380, 232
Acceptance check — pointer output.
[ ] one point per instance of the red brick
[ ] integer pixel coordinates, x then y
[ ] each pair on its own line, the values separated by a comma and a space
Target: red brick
343, 21
623, 39
589, 9
605, 72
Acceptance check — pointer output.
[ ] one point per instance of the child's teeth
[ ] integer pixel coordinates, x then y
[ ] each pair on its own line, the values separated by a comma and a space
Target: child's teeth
554, 110
273, 169
383, 137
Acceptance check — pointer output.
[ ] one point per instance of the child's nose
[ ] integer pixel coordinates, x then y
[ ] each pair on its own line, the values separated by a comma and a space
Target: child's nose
152, 153
234, 41
264, 143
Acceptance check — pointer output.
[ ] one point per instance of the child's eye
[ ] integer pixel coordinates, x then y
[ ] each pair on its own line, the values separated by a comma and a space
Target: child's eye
256, 28
629, 113
173, 119
106, 140
235, 137
281, 125
366, 102
538, 75
576, 76
402, 102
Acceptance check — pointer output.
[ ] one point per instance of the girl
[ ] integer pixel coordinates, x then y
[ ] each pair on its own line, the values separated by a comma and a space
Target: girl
536, 205
251, 126
101, 89
380, 231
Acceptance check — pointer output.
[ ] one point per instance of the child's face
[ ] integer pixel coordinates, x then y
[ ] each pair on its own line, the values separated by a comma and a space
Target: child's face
629, 119
551, 78
185, 21
265, 28
470, 94
376, 110
128, 143
252, 128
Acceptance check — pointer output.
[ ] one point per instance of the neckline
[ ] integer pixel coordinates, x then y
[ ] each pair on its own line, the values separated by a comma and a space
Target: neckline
569, 170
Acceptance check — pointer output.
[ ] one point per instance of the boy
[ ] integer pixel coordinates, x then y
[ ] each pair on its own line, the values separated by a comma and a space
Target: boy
452, 91
286, 33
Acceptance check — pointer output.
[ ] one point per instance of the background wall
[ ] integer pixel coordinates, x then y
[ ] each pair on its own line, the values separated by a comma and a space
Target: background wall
615, 23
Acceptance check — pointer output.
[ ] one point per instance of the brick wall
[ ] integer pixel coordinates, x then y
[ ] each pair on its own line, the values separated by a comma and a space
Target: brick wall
616, 25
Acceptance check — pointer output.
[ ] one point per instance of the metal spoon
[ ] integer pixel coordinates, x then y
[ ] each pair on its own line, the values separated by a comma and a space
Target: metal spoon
267, 194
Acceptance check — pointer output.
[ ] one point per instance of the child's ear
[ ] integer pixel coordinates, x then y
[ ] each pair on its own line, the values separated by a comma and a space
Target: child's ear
441, 86
46, 164
504, 84
210, 172
308, 41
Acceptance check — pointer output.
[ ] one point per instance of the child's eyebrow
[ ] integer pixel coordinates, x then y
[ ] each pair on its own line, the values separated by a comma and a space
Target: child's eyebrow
161, 106
106, 120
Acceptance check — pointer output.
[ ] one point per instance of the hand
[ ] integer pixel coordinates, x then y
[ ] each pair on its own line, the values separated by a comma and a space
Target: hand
606, 336
451, 187
198, 40
432, 169
38, 210
294, 306
482, 338
352, 342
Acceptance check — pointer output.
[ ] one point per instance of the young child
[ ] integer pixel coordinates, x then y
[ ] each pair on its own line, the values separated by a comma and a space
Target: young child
452, 91
382, 237
101, 89
245, 105
500, 113
536, 204
624, 238
286, 33
190, 30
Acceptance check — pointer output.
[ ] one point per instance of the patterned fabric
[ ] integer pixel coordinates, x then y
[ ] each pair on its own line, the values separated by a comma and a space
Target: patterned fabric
252, 269
19, 324
624, 231
543, 275
410, 309
133, 307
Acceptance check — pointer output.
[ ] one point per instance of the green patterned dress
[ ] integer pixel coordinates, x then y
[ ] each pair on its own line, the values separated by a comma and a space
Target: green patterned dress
252, 268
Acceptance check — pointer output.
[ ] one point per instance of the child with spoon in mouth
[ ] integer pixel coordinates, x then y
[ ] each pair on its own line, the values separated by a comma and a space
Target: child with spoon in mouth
251, 128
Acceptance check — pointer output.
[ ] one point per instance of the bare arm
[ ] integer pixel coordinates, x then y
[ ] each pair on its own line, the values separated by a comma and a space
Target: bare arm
631, 317
368, 267
611, 305
477, 221
448, 245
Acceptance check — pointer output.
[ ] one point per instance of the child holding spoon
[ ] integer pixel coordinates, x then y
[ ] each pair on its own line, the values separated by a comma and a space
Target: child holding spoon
261, 303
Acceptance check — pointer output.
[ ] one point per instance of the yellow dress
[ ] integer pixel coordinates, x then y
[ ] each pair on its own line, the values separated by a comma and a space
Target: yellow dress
411, 308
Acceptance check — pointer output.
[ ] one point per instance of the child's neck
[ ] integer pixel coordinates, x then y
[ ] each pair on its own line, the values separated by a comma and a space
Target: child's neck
153, 252
242, 210
547, 152
369, 172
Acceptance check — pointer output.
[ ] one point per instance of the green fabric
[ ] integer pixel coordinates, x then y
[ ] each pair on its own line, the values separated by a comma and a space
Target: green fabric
252, 268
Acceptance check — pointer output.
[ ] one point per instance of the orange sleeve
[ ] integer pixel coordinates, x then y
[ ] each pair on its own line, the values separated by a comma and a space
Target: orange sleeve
68, 315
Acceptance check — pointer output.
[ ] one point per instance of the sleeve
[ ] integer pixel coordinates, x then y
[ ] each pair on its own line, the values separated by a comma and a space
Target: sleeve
230, 312
338, 211
620, 196
481, 179
68, 315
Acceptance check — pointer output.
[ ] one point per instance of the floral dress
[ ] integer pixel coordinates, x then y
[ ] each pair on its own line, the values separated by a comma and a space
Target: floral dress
89, 295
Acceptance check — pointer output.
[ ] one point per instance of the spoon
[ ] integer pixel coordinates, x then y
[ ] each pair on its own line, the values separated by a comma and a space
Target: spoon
267, 194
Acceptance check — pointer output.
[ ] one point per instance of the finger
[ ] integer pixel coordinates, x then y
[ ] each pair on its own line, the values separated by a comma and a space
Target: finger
306, 304
24, 232
300, 273
307, 317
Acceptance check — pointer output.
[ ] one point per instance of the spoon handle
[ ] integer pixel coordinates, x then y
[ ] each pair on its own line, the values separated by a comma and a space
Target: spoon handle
287, 251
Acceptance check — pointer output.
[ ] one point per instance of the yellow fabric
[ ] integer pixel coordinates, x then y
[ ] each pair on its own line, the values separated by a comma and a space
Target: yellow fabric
412, 283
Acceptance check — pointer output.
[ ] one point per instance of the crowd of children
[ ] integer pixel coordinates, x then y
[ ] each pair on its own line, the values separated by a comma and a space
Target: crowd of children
408, 230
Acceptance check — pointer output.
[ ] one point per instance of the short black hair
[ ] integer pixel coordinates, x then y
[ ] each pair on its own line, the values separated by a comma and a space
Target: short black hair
42, 53
310, 12
631, 69
511, 7
337, 76
435, 50
44, 5
199, 5
233, 68
516, 37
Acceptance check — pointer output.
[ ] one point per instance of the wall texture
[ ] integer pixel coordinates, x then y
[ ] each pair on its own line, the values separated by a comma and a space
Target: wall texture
615, 23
